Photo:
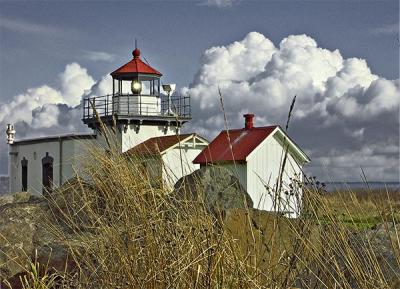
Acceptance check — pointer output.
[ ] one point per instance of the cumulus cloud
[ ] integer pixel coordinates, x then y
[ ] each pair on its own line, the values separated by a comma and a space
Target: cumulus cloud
47, 110
21, 106
101, 87
73, 80
345, 118
343, 114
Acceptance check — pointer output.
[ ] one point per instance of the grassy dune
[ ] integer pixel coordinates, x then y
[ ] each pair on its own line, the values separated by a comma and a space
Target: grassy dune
123, 230
363, 208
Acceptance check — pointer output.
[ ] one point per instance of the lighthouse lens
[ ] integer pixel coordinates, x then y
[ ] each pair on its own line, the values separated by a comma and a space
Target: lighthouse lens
136, 87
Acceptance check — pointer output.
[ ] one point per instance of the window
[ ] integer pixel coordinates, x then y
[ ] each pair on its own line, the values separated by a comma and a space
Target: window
47, 173
24, 178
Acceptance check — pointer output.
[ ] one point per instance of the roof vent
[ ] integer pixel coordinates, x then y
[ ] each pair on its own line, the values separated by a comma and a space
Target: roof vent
248, 124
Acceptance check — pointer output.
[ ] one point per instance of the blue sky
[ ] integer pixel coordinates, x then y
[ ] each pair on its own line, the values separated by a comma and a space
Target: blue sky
38, 39
44, 36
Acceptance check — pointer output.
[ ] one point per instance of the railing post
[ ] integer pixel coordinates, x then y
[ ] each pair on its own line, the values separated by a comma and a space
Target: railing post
180, 105
112, 105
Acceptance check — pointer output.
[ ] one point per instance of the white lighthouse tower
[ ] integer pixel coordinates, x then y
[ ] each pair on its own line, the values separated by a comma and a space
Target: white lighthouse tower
136, 109
143, 121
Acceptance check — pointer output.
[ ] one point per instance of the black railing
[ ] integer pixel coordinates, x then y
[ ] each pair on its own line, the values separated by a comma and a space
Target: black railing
129, 105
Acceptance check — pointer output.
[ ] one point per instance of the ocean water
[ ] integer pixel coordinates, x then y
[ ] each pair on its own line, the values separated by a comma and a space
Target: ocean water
343, 186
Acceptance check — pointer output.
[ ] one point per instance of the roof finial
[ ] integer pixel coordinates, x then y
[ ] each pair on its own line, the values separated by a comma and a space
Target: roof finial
136, 52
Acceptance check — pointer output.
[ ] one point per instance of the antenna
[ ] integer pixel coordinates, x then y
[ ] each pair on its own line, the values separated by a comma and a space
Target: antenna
135, 43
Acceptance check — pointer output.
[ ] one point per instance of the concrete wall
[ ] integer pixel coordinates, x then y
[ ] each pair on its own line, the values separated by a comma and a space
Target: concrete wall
128, 137
33, 152
131, 137
67, 155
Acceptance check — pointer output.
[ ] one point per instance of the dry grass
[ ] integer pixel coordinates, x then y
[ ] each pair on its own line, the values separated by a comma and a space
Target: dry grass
364, 208
123, 230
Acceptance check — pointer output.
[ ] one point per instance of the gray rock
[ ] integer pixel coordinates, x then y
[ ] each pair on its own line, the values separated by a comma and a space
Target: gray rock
369, 248
219, 188
384, 241
6, 199
24, 239
20, 197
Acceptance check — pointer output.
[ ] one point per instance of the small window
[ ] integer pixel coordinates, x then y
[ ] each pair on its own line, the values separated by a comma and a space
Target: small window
24, 174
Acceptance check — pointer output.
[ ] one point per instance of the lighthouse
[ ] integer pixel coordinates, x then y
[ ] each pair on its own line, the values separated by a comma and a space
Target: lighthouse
137, 109
141, 120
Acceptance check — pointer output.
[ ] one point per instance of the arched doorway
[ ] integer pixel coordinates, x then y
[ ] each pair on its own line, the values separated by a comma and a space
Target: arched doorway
24, 174
47, 173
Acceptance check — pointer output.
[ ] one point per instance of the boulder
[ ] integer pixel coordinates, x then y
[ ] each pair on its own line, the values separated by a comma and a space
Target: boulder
217, 186
25, 239
384, 241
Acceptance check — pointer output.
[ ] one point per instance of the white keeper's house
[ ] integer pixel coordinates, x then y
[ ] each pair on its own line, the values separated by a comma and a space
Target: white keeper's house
266, 161
143, 117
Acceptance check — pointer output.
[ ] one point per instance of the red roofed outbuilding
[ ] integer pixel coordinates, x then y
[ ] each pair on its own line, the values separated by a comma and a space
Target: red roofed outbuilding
256, 156
168, 158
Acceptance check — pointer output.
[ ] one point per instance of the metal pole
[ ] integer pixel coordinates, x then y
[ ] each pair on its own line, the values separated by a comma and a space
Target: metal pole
169, 103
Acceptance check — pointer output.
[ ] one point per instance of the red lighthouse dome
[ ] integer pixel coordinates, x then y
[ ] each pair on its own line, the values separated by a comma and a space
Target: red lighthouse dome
135, 66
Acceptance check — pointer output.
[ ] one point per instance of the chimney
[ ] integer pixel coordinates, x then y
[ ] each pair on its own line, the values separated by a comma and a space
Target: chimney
10, 133
248, 124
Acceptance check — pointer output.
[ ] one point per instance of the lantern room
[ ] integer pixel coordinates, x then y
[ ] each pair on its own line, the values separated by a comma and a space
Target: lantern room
141, 78
137, 98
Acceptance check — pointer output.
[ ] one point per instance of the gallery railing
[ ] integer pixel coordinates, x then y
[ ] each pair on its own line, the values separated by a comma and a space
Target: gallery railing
130, 106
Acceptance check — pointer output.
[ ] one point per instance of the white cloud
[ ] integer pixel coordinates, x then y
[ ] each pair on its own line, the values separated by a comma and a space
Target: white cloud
221, 3
98, 56
45, 116
22, 105
102, 87
23, 26
340, 105
47, 110
74, 81
345, 116
388, 29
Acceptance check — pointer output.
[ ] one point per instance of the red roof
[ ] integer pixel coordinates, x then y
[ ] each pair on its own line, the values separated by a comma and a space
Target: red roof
136, 65
243, 142
156, 145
